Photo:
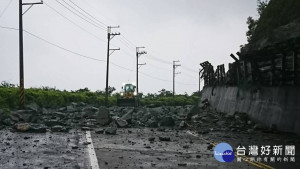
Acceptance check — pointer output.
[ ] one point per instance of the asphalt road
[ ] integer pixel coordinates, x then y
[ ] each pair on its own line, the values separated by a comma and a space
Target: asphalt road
130, 148
43, 150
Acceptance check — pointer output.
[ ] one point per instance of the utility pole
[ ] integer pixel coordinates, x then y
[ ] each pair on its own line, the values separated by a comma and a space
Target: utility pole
174, 74
138, 54
110, 35
21, 57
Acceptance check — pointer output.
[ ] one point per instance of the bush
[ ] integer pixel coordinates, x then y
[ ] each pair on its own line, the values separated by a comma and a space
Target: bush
53, 98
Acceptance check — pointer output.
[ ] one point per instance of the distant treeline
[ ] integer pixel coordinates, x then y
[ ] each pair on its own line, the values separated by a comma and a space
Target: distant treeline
54, 98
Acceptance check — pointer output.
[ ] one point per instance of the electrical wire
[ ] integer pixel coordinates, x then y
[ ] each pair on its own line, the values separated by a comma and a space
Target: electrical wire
95, 22
4, 10
85, 30
88, 57
91, 20
78, 15
88, 13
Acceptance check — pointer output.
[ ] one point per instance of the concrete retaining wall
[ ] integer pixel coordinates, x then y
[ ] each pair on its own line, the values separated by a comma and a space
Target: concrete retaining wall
267, 105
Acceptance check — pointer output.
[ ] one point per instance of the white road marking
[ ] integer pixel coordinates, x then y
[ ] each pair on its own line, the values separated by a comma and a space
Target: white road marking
91, 150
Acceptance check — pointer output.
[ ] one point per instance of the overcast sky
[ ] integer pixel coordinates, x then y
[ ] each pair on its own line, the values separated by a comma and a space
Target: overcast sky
192, 31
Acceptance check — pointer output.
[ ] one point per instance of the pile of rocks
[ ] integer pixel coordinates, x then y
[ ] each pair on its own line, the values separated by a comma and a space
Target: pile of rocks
150, 117
205, 119
79, 115
36, 119
202, 118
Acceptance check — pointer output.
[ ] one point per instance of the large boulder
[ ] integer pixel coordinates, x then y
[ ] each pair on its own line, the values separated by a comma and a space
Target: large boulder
23, 127
194, 111
121, 123
128, 115
111, 130
25, 115
152, 123
167, 121
102, 116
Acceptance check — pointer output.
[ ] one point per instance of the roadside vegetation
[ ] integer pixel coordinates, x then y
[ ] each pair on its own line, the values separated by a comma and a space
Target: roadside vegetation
52, 97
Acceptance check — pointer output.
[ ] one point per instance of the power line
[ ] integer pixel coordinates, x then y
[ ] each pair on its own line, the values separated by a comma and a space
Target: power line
5, 8
85, 30
53, 44
91, 20
126, 45
159, 60
88, 13
78, 15
88, 57
121, 38
188, 69
75, 53
129, 42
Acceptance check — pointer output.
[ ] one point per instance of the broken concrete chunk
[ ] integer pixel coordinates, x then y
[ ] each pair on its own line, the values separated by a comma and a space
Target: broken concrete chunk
53, 122
152, 123
99, 131
102, 116
182, 125
167, 121
23, 127
57, 128
86, 128
128, 116
70, 109
38, 128
111, 130
151, 138
164, 138
121, 123
182, 164
86, 143
62, 109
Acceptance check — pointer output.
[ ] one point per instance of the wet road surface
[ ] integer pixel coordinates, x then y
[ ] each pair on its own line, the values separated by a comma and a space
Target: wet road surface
43, 150
131, 149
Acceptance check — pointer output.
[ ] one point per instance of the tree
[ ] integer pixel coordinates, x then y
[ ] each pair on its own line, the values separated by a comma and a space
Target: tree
111, 90
83, 90
252, 23
261, 6
164, 92
5, 84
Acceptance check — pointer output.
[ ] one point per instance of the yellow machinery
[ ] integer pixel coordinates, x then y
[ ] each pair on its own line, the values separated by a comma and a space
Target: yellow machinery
128, 97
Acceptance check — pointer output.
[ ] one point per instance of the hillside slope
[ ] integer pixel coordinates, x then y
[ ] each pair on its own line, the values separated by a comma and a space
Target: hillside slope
278, 22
